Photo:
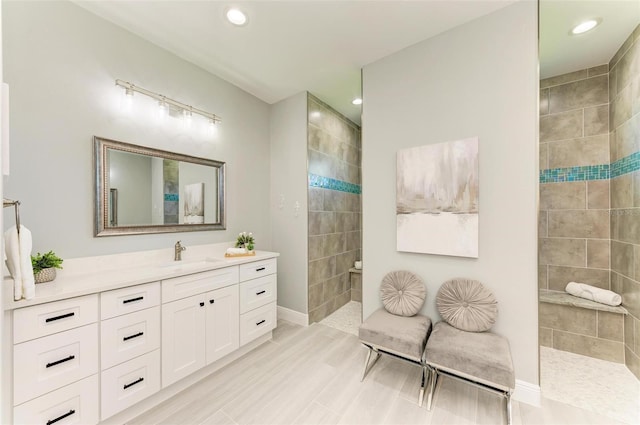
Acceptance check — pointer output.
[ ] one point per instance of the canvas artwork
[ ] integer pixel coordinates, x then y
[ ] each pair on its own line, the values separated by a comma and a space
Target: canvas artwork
437, 199
194, 203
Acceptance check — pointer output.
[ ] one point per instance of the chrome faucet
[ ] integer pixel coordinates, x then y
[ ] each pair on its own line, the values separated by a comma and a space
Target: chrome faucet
178, 250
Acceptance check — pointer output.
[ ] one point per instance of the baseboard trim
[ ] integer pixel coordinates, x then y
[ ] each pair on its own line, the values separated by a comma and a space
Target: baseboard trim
528, 393
293, 316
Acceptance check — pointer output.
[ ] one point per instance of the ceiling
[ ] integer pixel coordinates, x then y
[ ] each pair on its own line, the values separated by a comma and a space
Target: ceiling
561, 52
320, 46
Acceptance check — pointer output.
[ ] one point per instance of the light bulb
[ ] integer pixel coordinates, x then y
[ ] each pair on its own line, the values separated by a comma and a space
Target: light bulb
357, 101
236, 17
187, 115
585, 26
162, 109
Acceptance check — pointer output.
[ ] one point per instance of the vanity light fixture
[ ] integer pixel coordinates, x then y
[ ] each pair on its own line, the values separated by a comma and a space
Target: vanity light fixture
585, 26
357, 101
237, 17
164, 103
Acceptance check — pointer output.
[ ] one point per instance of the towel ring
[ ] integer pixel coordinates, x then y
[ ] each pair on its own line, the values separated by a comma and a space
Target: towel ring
11, 203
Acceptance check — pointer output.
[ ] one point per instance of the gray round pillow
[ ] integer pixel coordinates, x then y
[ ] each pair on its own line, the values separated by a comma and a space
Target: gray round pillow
467, 305
402, 293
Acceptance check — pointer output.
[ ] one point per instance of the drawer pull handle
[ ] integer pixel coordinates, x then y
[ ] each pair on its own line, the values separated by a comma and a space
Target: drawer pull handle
202, 304
57, 362
130, 300
59, 418
137, 381
62, 316
259, 269
261, 292
212, 301
127, 338
260, 322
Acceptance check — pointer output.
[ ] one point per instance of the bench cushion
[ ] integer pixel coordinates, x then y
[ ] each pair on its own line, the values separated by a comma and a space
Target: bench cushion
467, 305
402, 293
483, 357
404, 336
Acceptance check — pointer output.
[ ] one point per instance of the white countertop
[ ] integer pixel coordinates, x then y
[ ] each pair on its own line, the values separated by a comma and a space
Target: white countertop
120, 276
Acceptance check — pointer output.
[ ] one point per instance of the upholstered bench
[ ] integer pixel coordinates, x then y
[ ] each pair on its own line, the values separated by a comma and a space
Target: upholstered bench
461, 346
403, 336
397, 330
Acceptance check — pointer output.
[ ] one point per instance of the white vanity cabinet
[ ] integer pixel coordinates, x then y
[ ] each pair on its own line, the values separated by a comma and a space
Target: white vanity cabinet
130, 346
55, 357
258, 294
92, 355
202, 328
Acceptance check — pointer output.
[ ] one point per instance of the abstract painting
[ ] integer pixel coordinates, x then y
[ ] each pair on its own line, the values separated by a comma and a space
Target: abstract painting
194, 203
437, 199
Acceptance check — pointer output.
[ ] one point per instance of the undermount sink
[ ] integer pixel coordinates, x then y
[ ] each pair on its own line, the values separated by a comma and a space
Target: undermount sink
188, 264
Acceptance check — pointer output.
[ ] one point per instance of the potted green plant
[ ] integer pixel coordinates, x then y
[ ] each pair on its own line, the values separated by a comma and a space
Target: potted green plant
45, 265
245, 240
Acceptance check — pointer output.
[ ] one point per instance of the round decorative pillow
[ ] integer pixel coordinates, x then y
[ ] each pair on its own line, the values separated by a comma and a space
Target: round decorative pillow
402, 293
467, 305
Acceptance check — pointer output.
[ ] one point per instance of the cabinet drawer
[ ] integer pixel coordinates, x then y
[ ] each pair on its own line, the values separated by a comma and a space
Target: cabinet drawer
258, 269
46, 319
48, 363
257, 292
127, 300
186, 286
76, 403
129, 383
257, 323
129, 336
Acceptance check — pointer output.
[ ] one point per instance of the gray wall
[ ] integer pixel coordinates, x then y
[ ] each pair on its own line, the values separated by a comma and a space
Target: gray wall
288, 187
479, 79
624, 92
131, 175
334, 209
61, 63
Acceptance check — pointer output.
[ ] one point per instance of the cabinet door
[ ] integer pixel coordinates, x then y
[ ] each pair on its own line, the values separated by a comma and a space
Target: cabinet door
223, 322
183, 338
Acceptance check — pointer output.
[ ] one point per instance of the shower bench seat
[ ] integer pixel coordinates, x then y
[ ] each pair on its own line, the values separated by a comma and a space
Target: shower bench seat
563, 298
581, 326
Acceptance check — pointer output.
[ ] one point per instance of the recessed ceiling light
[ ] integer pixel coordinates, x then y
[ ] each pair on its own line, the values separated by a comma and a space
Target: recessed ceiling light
585, 26
357, 101
236, 17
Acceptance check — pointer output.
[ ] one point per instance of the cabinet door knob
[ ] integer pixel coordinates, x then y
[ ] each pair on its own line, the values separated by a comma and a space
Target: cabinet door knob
212, 301
202, 304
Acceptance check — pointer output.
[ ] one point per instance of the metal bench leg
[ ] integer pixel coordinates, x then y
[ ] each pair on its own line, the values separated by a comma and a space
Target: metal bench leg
368, 367
508, 397
432, 388
422, 385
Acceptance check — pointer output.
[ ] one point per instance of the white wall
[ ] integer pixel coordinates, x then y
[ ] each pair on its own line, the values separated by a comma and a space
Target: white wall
479, 79
288, 186
61, 63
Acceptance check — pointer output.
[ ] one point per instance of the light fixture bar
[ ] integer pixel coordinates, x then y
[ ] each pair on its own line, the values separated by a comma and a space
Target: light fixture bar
162, 98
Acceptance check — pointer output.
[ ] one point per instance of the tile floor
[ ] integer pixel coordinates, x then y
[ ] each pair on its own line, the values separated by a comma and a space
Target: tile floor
592, 384
347, 318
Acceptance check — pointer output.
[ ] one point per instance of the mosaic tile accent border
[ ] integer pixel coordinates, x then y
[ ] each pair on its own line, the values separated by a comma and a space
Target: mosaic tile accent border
333, 184
575, 174
625, 165
173, 197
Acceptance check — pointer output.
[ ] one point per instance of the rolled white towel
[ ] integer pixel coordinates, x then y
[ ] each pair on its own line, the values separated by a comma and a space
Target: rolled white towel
236, 251
18, 251
593, 293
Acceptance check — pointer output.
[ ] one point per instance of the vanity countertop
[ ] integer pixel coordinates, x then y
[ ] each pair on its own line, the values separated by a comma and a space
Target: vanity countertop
75, 285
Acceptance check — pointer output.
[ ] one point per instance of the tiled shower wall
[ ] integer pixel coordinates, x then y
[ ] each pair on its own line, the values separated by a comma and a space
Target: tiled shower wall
624, 120
574, 210
334, 207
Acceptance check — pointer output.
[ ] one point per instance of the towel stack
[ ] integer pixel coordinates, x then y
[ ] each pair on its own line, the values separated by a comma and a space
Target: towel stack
18, 251
593, 293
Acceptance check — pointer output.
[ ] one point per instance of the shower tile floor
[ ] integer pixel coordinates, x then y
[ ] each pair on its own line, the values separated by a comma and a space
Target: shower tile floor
347, 318
597, 385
